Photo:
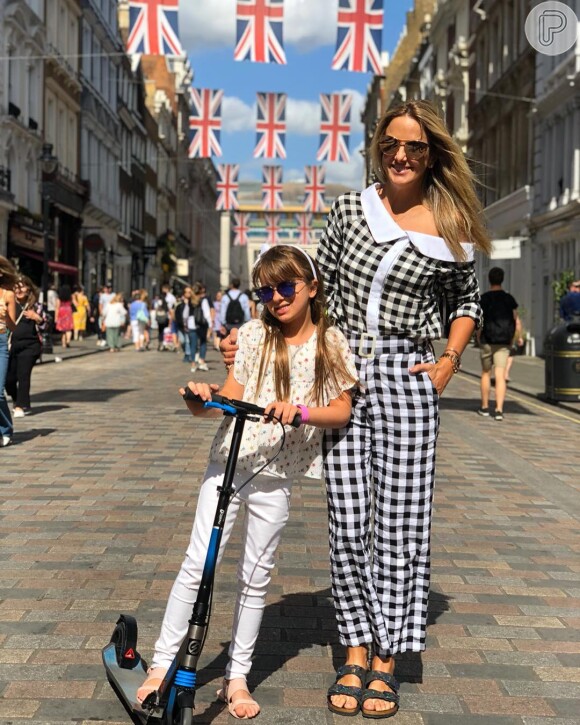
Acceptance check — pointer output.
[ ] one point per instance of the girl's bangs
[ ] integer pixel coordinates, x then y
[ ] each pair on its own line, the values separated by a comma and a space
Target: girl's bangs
273, 271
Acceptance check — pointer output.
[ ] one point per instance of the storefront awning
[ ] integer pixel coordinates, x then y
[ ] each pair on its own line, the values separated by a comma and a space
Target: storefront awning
59, 267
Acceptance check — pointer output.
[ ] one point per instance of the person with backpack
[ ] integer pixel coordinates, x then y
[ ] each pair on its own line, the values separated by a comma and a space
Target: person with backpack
162, 318
235, 307
202, 316
500, 323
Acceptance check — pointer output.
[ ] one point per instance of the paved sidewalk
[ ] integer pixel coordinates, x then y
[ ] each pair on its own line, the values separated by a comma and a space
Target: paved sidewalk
527, 375
99, 493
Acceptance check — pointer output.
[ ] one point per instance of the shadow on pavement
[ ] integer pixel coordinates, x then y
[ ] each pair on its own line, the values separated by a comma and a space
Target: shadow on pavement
39, 409
472, 404
28, 435
95, 395
282, 634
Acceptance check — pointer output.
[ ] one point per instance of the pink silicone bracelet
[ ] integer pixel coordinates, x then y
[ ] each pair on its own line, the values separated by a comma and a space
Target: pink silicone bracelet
304, 414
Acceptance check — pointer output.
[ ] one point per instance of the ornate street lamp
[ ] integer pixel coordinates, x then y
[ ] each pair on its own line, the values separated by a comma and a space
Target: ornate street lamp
49, 164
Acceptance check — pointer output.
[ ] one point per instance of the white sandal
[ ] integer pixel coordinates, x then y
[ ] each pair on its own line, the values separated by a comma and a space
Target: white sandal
229, 689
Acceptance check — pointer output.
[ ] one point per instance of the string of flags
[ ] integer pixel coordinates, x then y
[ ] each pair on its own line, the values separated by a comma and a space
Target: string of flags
153, 29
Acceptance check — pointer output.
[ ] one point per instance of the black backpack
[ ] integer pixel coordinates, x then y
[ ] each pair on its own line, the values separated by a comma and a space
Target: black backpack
235, 311
162, 313
199, 317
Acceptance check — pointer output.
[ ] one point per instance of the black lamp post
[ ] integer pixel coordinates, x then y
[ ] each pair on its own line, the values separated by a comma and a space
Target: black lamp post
49, 164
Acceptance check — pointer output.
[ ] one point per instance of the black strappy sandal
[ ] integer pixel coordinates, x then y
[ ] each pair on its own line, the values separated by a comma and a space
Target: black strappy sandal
348, 690
370, 694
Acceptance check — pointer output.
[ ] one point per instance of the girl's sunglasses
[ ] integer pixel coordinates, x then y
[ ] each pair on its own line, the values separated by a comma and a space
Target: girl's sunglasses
413, 149
284, 289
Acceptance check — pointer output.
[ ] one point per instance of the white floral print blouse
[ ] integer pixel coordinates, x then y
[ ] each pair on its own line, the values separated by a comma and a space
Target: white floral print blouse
302, 454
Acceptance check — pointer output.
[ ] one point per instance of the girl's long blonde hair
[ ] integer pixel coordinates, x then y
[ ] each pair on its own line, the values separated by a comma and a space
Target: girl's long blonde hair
449, 184
280, 264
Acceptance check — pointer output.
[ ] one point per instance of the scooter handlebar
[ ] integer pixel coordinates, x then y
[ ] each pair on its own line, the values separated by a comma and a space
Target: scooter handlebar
237, 405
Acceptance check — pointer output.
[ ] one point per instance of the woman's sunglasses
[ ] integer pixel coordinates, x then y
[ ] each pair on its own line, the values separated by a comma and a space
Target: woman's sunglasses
284, 289
413, 149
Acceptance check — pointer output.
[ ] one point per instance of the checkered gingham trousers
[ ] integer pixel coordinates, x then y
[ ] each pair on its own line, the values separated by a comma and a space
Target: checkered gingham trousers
379, 476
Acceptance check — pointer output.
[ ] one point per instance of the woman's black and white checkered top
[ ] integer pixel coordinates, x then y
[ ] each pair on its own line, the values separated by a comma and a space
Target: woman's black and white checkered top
384, 281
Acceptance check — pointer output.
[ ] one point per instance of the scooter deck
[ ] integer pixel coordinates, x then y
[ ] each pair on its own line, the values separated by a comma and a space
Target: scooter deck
126, 683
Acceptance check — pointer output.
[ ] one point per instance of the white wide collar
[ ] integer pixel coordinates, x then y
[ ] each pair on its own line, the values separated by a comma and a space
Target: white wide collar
385, 229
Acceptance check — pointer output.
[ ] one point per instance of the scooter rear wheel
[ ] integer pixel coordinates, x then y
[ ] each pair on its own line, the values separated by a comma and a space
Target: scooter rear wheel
124, 638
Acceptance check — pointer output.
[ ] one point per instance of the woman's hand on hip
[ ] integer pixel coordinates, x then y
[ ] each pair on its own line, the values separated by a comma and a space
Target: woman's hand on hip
440, 373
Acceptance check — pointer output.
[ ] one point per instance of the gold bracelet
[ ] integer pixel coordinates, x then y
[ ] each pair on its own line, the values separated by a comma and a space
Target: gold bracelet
455, 360
452, 349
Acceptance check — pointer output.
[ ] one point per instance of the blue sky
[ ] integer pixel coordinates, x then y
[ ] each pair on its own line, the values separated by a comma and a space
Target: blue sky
207, 31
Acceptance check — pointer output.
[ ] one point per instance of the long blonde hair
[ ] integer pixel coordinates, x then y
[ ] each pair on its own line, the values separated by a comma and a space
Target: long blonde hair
8, 273
279, 264
449, 184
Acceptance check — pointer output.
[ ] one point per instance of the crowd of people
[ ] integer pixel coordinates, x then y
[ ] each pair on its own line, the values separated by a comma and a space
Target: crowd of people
184, 323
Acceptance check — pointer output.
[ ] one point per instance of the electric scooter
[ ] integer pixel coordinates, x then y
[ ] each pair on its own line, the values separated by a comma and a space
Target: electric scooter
173, 703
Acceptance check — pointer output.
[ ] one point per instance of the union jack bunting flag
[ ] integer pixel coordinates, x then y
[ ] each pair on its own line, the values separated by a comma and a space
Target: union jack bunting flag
259, 31
272, 227
304, 227
334, 127
205, 123
241, 228
314, 188
272, 187
227, 186
153, 27
358, 39
271, 126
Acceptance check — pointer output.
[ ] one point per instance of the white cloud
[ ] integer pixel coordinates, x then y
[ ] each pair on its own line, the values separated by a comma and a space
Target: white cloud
351, 174
237, 115
302, 117
205, 24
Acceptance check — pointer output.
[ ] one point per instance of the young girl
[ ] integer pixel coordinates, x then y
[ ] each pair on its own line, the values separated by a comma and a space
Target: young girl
293, 357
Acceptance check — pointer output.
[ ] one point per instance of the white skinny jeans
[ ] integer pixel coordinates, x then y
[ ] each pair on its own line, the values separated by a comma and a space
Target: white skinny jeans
267, 504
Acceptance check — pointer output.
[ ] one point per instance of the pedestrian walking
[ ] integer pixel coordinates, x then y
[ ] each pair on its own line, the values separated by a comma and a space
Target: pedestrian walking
501, 323
64, 315
277, 359
139, 317
181, 316
114, 321
570, 302
235, 307
105, 297
216, 322
161, 315
81, 312
202, 318
25, 346
7, 324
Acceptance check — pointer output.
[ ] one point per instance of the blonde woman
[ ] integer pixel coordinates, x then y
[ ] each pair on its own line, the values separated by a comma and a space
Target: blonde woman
389, 257
7, 324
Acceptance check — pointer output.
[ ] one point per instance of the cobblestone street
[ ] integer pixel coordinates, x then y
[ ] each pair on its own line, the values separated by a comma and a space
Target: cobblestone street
98, 495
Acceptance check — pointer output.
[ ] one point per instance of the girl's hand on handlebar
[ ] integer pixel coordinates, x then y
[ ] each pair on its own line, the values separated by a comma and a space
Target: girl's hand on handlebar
204, 391
285, 412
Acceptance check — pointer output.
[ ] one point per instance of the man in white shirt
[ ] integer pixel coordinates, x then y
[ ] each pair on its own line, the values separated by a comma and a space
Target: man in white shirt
168, 295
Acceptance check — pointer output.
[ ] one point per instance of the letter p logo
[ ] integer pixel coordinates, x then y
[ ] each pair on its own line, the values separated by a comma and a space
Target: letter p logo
551, 23
551, 28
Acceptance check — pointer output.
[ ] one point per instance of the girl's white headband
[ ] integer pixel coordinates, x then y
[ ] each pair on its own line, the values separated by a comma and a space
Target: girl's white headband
266, 247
